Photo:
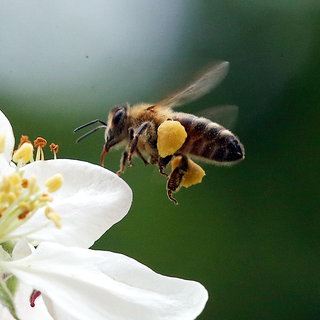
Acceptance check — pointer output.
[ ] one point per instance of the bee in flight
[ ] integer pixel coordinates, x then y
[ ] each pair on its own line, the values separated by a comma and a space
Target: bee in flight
158, 135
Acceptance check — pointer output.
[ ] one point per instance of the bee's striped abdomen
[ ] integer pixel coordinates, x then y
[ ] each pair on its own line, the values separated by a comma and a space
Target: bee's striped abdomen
209, 140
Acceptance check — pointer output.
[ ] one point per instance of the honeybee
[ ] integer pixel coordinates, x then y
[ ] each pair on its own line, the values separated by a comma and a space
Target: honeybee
137, 128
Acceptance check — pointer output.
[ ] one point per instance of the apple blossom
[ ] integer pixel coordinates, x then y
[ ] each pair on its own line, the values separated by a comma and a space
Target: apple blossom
50, 213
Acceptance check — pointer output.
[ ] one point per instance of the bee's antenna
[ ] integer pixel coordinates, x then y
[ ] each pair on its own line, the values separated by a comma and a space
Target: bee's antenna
89, 124
104, 125
89, 132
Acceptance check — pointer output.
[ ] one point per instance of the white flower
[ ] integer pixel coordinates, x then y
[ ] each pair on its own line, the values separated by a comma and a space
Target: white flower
75, 282
90, 200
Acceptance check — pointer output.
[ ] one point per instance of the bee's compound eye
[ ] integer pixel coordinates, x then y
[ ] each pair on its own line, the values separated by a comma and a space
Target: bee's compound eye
118, 116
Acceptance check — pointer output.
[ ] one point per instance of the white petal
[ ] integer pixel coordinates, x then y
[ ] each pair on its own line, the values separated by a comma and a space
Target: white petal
89, 202
86, 284
21, 249
5, 127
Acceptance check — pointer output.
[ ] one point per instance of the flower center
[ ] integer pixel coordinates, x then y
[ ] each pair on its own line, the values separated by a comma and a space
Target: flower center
21, 197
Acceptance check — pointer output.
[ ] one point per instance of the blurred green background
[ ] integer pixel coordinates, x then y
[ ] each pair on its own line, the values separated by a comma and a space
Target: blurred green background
249, 233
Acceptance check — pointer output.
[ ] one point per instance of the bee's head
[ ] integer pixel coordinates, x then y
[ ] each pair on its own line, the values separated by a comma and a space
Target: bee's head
117, 129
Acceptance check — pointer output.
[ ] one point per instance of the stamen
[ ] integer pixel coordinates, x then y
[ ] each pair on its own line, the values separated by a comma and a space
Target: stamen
25, 205
54, 183
23, 215
15, 179
40, 143
46, 197
11, 197
23, 154
55, 149
24, 183
53, 216
33, 184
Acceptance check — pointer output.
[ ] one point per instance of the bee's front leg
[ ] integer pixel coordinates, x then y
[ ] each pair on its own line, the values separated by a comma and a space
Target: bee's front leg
125, 154
134, 138
123, 162
175, 178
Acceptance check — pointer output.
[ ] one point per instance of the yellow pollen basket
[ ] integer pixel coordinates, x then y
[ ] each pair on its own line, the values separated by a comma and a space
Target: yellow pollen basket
193, 175
171, 137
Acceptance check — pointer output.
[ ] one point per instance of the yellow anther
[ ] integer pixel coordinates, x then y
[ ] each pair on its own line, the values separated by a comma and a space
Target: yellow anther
23, 154
171, 137
2, 142
54, 183
10, 197
25, 205
53, 216
15, 178
5, 184
45, 197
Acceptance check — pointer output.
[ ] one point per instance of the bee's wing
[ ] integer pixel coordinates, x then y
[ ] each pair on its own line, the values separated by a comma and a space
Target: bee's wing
201, 86
225, 115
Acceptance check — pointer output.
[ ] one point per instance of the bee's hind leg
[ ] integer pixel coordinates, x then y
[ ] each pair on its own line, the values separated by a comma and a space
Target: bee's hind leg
171, 198
162, 163
175, 178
